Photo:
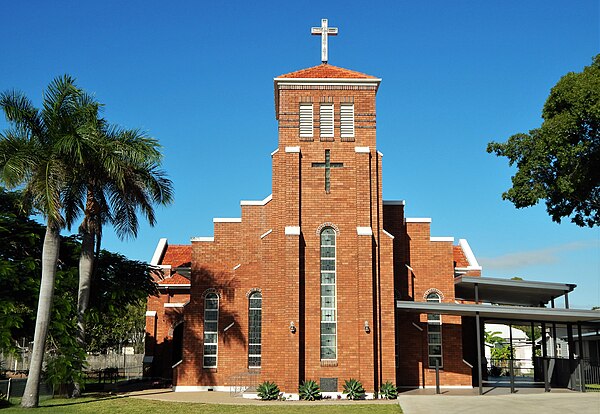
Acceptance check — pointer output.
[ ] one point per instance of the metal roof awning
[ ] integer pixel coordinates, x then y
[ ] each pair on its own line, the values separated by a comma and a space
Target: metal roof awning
521, 313
508, 291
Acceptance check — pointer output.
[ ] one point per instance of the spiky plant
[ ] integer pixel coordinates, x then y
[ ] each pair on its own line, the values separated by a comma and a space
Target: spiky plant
353, 389
309, 391
388, 391
268, 391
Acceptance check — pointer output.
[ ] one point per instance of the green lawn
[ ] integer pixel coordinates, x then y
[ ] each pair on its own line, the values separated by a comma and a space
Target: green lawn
139, 406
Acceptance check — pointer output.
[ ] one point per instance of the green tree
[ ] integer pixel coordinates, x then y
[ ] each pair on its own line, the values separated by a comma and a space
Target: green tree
559, 162
116, 174
29, 157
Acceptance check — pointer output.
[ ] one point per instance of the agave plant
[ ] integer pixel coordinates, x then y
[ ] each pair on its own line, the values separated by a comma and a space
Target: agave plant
309, 391
353, 389
388, 391
268, 391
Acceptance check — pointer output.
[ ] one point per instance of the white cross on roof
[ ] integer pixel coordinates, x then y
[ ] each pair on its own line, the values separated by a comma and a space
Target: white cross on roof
324, 31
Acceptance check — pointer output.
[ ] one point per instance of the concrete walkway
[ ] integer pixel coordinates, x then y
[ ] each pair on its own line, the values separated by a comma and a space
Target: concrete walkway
523, 402
496, 400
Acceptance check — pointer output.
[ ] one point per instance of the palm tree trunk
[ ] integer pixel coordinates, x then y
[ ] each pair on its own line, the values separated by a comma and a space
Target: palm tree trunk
86, 266
42, 322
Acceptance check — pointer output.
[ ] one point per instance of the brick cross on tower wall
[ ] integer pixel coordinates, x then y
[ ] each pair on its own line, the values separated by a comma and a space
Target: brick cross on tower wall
328, 165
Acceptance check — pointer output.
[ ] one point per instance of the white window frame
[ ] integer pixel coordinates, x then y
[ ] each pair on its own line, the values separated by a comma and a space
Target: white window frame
347, 120
326, 120
334, 284
306, 120
211, 296
250, 308
434, 319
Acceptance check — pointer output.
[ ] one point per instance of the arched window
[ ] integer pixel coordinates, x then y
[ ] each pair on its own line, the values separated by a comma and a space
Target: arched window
211, 325
254, 329
434, 333
328, 301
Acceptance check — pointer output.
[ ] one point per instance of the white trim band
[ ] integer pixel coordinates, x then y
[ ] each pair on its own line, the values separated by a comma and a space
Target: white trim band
380, 154
202, 239
442, 239
292, 149
473, 264
237, 266
266, 233
257, 202
388, 234
227, 220
151, 313
362, 150
417, 220
158, 252
364, 231
292, 230
275, 152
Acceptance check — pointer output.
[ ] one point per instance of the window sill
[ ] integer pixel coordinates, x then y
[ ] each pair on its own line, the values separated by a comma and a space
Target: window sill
329, 363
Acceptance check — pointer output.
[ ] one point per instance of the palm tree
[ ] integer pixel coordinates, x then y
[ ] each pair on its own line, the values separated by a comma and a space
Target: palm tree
117, 174
29, 158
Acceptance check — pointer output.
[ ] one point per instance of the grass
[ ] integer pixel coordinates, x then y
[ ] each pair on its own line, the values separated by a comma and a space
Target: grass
128, 405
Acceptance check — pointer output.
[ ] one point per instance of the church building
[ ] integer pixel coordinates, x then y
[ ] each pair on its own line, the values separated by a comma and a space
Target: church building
303, 285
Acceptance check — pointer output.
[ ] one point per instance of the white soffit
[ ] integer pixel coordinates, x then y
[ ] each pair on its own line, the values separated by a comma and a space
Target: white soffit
292, 230
442, 239
158, 252
473, 264
227, 220
176, 305
364, 231
418, 220
364, 150
202, 239
257, 202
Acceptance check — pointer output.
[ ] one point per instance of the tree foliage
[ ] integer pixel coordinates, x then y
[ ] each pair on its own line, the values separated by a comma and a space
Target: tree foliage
559, 162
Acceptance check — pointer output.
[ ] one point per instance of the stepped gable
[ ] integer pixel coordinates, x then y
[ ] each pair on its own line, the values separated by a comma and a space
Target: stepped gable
459, 257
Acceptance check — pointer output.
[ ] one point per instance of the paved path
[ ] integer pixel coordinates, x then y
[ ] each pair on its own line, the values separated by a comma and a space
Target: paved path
496, 400
525, 403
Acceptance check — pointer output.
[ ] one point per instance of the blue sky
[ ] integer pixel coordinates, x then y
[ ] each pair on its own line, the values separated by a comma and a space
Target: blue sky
199, 77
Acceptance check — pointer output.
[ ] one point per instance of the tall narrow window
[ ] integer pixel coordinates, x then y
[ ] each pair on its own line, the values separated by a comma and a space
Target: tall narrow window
434, 333
347, 120
211, 325
306, 120
326, 120
254, 330
328, 302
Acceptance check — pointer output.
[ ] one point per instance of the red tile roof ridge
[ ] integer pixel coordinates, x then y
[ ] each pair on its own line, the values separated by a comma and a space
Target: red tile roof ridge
326, 71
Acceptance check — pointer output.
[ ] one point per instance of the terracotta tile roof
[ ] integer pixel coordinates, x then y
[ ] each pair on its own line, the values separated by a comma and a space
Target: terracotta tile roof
459, 257
177, 255
175, 279
326, 71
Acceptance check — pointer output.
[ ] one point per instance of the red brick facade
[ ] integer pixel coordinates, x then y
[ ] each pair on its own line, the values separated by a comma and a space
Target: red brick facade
274, 248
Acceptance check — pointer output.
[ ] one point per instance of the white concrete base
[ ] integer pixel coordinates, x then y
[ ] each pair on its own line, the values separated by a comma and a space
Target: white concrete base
201, 388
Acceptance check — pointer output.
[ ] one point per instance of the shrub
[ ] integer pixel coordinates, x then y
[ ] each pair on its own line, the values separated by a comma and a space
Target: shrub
389, 391
268, 391
4, 401
353, 389
309, 391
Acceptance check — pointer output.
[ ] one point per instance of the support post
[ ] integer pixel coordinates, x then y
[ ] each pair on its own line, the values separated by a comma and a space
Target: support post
478, 334
8, 390
545, 359
566, 300
580, 343
511, 363
571, 353
437, 376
